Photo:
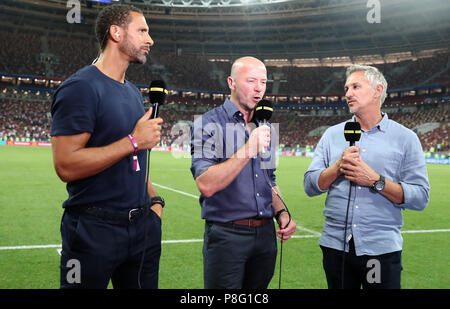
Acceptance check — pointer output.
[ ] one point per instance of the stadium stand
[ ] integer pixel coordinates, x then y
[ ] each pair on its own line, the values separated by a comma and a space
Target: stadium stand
306, 86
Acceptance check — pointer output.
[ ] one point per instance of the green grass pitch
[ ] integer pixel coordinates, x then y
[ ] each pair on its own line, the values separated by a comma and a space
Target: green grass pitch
30, 211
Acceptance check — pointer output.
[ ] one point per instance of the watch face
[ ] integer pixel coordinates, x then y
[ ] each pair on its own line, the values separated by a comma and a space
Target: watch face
379, 185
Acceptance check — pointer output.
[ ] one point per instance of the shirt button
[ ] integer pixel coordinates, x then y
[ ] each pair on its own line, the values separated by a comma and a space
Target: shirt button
354, 225
359, 188
363, 150
260, 213
356, 206
257, 194
256, 175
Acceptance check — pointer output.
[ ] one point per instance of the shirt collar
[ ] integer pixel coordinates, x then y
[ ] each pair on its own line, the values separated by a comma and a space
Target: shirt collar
231, 110
382, 125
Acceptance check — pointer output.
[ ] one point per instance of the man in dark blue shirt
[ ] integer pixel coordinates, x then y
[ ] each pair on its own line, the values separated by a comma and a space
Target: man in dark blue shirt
235, 176
100, 136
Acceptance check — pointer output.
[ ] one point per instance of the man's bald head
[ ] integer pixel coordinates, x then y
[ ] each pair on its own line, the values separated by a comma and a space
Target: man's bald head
247, 83
245, 61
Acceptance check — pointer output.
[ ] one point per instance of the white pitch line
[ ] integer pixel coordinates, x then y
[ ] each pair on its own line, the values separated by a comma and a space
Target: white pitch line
196, 197
424, 231
174, 190
201, 240
305, 236
181, 241
314, 233
29, 247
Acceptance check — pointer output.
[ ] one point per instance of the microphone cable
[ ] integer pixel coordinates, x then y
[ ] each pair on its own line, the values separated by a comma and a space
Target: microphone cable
145, 222
141, 264
266, 177
345, 235
157, 96
352, 134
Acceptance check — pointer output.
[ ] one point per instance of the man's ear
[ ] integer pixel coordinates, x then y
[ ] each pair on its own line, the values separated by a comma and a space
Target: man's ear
378, 90
115, 33
231, 83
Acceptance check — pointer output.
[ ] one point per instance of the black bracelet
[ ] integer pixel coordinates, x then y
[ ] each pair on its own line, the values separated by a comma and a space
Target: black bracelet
279, 212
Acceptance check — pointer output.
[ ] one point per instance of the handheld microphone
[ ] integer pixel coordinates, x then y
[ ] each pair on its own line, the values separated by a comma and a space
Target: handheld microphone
263, 112
352, 132
157, 94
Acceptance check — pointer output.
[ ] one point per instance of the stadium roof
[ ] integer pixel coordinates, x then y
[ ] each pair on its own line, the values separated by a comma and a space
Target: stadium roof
302, 29
201, 3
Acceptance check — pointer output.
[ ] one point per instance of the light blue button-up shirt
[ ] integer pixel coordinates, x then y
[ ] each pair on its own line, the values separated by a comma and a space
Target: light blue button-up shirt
374, 221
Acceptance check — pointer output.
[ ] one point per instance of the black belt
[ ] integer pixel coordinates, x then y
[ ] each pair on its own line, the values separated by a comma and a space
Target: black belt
102, 213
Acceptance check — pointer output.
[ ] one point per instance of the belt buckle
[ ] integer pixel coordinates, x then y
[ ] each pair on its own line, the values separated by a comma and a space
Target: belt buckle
130, 214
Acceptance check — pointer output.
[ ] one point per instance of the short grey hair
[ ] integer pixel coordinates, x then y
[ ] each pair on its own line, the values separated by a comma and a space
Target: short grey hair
373, 76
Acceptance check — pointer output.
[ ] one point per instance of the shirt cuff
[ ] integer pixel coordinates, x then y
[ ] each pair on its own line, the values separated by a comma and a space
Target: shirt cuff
311, 183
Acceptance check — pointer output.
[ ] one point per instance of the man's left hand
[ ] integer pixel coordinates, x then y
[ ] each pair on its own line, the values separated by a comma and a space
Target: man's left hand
287, 227
356, 170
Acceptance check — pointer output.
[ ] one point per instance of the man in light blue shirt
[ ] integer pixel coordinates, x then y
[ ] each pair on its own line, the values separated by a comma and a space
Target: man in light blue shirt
388, 174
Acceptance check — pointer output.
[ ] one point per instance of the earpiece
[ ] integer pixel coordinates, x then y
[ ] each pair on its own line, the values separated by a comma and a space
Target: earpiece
117, 34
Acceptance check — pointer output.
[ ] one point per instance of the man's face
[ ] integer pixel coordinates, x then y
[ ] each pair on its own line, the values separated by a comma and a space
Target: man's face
359, 93
249, 84
137, 41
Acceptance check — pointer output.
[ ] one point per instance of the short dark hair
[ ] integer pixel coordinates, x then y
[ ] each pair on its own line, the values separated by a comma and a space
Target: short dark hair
118, 14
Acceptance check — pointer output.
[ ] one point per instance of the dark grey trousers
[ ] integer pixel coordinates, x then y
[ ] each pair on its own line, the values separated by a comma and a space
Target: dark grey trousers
238, 257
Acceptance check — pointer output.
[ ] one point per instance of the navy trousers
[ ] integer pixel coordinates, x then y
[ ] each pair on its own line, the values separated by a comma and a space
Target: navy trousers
97, 250
371, 272
238, 257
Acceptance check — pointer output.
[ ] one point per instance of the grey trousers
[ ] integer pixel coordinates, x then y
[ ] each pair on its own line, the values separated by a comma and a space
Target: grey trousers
238, 257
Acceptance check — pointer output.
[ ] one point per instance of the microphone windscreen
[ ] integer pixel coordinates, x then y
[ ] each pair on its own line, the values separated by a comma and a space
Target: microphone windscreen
352, 132
263, 110
158, 92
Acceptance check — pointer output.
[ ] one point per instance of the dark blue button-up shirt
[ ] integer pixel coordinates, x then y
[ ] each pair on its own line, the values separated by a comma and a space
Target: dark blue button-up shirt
215, 137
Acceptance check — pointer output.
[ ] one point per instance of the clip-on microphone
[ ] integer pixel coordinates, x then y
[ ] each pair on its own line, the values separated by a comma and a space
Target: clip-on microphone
352, 134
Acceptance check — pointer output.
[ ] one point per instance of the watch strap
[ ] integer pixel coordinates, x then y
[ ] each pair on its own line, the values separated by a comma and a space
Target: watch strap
157, 200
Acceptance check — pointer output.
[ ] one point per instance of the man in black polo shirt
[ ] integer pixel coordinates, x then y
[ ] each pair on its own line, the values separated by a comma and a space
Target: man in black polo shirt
100, 136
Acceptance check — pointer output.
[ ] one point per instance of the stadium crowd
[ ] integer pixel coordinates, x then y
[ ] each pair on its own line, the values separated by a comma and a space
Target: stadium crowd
59, 57
25, 120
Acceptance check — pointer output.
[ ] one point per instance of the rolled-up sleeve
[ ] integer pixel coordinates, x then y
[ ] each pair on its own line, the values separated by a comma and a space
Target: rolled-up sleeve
319, 163
414, 176
207, 144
